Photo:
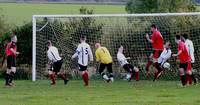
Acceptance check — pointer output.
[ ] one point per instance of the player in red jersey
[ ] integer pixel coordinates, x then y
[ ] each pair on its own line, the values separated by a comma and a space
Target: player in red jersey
11, 53
184, 59
157, 43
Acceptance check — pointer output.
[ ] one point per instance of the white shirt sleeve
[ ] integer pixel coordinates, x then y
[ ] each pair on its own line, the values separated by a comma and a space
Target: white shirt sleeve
49, 55
90, 53
190, 48
78, 50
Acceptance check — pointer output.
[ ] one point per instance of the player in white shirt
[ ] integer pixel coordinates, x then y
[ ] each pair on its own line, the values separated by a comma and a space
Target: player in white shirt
165, 55
190, 49
84, 54
132, 70
55, 64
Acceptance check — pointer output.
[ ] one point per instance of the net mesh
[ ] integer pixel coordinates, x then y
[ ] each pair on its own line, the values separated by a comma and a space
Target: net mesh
112, 32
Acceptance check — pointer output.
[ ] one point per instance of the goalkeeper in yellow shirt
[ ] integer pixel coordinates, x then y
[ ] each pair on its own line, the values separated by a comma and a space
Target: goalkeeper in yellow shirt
103, 56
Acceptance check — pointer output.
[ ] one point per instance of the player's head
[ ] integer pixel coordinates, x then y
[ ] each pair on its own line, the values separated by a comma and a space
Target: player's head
49, 44
14, 39
177, 38
97, 45
121, 49
185, 36
83, 38
167, 45
153, 27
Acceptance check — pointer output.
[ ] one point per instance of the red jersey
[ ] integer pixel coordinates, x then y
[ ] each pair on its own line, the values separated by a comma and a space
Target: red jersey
157, 41
184, 56
9, 46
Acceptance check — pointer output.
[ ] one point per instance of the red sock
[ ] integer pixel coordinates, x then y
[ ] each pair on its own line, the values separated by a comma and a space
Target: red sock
85, 78
149, 63
188, 80
62, 75
137, 76
52, 77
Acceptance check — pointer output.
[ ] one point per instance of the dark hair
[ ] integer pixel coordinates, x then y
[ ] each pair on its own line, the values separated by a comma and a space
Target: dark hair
178, 37
48, 42
153, 26
185, 36
83, 37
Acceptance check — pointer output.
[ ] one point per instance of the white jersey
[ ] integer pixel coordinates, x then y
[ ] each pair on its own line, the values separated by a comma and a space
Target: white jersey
121, 59
83, 52
53, 54
190, 48
165, 55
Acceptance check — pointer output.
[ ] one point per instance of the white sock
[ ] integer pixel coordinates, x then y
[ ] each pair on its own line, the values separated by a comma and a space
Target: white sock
128, 76
105, 77
112, 79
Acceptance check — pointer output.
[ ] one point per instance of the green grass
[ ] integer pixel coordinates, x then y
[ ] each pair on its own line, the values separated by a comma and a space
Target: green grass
19, 13
100, 93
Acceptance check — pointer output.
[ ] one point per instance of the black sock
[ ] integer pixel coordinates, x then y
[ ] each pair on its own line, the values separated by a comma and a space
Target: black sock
193, 78
12, 74
7, 78
183, 80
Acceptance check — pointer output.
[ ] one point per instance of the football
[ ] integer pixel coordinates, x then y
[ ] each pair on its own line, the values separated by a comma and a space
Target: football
166, 65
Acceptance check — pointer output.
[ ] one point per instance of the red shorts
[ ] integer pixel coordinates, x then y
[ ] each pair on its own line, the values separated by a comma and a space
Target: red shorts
189, 67
156, 53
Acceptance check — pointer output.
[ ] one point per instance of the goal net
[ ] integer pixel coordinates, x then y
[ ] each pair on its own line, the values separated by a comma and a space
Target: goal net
111, 30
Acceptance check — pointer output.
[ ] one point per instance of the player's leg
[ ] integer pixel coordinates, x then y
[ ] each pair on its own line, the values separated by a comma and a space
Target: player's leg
110, 71
52, 74
156, 64
182, 68
191, 76
13, 70
7, 75
137, 76
103, 74
135, 72
61, 72
129, 72
84, 74
148, 64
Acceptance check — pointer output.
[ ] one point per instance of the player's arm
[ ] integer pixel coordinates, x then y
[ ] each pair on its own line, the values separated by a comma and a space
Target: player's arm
97, 56
177, 54
49, 55
90, 54
11, 46
147, 37
78, 50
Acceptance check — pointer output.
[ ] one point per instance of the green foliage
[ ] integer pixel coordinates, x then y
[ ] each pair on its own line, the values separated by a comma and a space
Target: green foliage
24, 44
159, 6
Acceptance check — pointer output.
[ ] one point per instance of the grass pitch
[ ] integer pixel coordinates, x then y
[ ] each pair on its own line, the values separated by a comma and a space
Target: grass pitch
99, 93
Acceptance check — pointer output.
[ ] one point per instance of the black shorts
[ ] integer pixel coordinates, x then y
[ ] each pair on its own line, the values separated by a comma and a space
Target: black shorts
103, 66
11, 61
57, 66
128, 67
183, 65
82, 68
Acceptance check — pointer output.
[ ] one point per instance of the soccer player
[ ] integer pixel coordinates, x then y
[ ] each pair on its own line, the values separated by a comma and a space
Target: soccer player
190, 49
157, 43
103, 56
55, 65
132, 70
184, 59
84, 53
11, 53
165, 55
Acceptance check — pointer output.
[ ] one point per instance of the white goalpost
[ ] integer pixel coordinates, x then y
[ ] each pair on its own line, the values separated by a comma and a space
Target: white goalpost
112, 30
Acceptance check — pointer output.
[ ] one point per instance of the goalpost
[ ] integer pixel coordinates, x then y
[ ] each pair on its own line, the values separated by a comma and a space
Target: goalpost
112, 30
